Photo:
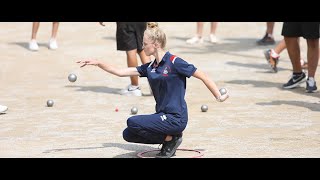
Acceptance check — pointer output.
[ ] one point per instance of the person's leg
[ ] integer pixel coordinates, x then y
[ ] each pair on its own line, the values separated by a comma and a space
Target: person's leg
280, 47
198, 37
293, 49
268, 37
145, 129
33, 45
213, 37
200, 29
132, 62
270, 26
55, 27
35, 28
53, 40
313, 58
214, 26
272, 55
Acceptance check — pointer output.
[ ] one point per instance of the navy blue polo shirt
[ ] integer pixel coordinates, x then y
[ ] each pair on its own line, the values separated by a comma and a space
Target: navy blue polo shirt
168, 83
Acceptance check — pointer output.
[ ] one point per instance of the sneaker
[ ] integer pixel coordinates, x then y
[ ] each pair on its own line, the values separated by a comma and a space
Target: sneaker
33, 45
295, 80
3, 108
273, 62
131, 91
213, 38
169, 148
266, 40
311, 86
195, 40
53, 44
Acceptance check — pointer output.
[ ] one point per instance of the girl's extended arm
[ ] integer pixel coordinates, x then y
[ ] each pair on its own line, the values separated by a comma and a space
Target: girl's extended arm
131, 71
210, 85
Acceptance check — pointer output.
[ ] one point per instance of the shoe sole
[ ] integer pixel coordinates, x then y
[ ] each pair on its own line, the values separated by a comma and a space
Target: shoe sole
312, 91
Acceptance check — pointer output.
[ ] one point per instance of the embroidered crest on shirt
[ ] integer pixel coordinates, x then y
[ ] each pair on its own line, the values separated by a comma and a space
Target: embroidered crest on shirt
166, 71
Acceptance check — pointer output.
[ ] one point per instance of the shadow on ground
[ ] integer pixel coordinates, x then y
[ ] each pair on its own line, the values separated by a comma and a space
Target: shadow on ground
135, 148
25, 45
97, 89
311, 106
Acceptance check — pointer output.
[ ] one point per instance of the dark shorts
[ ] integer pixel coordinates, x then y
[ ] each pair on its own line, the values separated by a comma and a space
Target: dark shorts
130, 35
307, 30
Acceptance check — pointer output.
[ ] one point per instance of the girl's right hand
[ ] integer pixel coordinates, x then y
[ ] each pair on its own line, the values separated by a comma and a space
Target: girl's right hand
88, 62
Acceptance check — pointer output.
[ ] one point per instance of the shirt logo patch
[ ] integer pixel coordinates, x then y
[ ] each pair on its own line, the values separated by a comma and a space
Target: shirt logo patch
166, 71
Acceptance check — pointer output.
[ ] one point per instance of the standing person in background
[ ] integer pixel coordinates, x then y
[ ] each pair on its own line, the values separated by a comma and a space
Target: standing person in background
33, 45
129, 37
198, 38
311, 32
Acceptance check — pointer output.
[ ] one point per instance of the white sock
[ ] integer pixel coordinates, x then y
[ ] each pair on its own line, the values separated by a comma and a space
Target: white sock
274, 54
311, 81
134, 87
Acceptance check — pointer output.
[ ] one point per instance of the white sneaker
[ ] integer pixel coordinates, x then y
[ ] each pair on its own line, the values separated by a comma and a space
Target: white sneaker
131, 91
213, 38
53, 44
33, 45
195, 40
3, 108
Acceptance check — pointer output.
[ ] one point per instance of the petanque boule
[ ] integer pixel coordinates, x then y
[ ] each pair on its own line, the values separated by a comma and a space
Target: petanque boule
204, 108
50, 103
223, 91
134, 110
72, 77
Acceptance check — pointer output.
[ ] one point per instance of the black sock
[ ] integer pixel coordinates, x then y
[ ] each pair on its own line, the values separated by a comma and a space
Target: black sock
297, 74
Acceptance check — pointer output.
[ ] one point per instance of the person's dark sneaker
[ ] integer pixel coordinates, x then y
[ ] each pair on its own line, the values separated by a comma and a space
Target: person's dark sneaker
295, 80
273, 62
266, 40
169, 148
311, 86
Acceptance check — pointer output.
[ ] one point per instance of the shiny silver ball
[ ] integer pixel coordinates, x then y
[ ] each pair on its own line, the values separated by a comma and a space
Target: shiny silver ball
50, 103
72, 77
223, 91
204, 108
134, 110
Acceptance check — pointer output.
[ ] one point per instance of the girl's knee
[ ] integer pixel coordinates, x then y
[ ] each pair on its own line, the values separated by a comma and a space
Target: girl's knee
131, 122
126, 135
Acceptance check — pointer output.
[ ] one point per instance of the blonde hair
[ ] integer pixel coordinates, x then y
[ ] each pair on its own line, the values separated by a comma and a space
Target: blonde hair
155, 34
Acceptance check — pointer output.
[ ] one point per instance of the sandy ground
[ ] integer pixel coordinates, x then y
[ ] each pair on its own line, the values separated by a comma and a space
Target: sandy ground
260, 119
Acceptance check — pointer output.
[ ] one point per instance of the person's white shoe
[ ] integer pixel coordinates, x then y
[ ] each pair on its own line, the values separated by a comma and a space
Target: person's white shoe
131, 91
53, 44
3, 108
195, 40
33, 45
213, 38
